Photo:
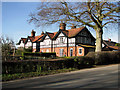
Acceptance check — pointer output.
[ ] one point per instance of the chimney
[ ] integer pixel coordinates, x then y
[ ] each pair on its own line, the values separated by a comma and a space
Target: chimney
109, 40
33, 33
42, 33
73, 26
62, 26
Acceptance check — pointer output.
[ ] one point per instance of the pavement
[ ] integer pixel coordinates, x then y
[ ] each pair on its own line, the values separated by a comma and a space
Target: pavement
100, 77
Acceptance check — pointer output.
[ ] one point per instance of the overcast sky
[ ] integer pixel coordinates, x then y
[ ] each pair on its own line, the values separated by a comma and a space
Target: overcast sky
15, 24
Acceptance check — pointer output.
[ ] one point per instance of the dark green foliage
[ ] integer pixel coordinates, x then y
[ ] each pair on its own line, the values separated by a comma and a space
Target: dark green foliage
29, 49
105, 57
26, 55
18, 52
81, 62
48, 66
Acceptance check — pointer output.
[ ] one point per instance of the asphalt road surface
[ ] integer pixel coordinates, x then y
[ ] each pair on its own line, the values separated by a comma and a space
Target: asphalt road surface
101, 77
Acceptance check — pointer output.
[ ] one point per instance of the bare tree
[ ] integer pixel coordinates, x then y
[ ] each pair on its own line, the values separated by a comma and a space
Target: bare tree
93, 14
6, 44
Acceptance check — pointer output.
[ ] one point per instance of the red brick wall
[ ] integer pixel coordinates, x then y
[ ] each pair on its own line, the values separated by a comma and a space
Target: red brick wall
45, 49
57, 50
83, 51
33, 50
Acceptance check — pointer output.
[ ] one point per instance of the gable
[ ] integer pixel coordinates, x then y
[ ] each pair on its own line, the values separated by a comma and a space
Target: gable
85, 32
47, 37
61, 35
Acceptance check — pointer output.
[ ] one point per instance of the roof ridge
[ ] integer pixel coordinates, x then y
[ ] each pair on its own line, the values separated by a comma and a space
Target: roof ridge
76, 28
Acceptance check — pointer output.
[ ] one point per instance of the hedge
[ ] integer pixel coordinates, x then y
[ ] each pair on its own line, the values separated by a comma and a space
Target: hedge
93, 58
38, 54
40, 66
105, 57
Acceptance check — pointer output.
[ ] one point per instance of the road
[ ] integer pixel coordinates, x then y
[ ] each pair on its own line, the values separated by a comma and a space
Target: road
101, 77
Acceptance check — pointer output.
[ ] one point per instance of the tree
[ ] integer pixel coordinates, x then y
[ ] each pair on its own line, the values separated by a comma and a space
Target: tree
93, 14
6, 45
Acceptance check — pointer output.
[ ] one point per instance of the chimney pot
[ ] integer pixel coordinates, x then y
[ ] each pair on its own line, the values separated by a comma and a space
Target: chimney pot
42, 33
109, 40
73, 26
62, 26
33, 33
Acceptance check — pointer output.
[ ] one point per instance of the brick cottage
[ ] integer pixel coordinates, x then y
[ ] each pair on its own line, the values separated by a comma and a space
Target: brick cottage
72, 42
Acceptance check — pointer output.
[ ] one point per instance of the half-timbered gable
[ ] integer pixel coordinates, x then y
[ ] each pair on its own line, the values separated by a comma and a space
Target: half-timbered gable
46, 43
85, 37
28, 43
36, 42
60, 40
21, 43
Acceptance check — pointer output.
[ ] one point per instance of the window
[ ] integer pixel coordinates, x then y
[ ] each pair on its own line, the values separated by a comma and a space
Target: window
61, 52
80, 50
61, 39
85, 40
47, 50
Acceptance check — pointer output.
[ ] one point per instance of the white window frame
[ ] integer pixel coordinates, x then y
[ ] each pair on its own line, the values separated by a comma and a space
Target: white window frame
61, 39
79, 51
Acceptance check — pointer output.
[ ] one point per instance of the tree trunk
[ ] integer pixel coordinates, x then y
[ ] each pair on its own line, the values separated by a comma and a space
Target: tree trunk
99, 33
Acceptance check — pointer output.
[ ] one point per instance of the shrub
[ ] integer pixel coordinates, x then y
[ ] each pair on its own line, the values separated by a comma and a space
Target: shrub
105, 57
81, 62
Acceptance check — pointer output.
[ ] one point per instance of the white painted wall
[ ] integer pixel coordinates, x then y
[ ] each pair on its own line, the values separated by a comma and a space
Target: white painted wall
28, 44
58, 43
46, 43
34, 45
21, 44
71, 41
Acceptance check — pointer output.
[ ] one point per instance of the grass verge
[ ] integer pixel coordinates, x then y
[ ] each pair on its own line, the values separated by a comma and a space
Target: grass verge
8, 77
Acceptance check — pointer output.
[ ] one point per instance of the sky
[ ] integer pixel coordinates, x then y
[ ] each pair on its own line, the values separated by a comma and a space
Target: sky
15, 24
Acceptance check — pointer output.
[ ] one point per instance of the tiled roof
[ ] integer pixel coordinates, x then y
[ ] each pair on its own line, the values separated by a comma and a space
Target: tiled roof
115, 47
68, 33
31, 38
51, 35
109, 43
74, 32
23, 39
37, 37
